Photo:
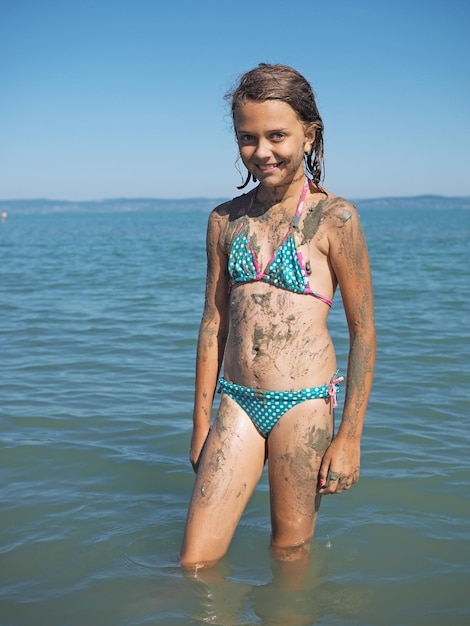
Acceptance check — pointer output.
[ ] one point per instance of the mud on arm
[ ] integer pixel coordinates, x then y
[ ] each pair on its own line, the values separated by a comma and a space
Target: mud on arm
212, 336
350, 262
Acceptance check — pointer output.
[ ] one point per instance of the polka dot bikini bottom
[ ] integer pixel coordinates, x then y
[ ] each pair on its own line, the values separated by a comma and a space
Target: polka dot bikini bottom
265, 408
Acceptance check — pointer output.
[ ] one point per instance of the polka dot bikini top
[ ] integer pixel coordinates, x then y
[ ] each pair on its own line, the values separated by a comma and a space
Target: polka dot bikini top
285, 269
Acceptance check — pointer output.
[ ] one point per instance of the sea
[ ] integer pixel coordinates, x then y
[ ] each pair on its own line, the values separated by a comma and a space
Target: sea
99, 320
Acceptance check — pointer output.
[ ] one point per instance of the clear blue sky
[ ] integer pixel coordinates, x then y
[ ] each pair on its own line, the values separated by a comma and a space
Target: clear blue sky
124, 98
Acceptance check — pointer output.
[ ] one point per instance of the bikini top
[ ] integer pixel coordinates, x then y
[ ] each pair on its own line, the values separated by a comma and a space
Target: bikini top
285, 269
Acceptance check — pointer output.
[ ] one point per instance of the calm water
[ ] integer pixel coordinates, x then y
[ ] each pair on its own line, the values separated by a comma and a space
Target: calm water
99, 324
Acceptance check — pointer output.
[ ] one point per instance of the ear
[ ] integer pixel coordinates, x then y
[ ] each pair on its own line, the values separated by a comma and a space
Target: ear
310, 133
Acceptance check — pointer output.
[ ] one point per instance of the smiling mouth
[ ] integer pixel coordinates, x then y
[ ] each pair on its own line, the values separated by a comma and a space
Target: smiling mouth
268, 167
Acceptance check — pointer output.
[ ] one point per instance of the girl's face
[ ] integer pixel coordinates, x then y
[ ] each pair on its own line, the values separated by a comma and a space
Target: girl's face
272, 141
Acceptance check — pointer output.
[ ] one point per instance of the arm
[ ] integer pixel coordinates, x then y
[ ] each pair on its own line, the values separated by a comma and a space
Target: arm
349, 260
212, 337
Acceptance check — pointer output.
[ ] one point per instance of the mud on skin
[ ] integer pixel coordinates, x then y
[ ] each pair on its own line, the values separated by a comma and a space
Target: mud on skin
298, 466
214, 460
272, 342
329, 208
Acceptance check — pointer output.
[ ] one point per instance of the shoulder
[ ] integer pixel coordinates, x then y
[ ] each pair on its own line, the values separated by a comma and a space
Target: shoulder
224, 218
326, 214
228, 213
340, 217
234, 208
337, 211
343, 229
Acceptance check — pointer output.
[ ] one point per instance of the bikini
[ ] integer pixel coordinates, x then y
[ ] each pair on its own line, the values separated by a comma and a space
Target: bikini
265, 408
286, 270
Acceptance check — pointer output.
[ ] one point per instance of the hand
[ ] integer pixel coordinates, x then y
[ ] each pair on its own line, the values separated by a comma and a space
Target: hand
340, 466
198, 440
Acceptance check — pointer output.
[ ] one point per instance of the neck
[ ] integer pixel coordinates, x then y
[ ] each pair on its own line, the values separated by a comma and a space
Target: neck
277, 195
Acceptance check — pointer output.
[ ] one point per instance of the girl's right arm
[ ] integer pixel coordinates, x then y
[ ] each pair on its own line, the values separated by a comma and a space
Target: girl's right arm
213, 333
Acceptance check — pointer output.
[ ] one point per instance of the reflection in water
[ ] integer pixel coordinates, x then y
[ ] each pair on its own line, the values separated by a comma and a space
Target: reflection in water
220, 601
297, 595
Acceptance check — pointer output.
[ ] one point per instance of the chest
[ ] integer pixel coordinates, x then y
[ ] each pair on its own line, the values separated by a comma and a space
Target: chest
284, 235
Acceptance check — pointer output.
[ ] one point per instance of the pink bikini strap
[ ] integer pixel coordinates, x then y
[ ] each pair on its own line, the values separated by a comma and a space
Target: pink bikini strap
300, 206
332, 387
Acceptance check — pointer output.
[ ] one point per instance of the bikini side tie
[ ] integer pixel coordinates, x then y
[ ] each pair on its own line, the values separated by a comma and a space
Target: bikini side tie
332, 387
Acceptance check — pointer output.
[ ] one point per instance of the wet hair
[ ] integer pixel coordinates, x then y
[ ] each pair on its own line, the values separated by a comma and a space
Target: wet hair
280, 82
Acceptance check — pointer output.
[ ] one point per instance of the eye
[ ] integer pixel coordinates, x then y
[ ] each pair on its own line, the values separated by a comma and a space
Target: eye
278, 136
246, 139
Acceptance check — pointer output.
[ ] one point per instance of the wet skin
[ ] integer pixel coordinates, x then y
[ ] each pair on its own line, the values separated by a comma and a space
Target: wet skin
269, 338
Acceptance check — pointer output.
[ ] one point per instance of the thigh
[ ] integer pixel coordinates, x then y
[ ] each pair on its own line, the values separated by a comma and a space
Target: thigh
231, 465
295, 450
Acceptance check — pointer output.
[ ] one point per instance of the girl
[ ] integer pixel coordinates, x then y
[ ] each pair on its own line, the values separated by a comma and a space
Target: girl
275, 258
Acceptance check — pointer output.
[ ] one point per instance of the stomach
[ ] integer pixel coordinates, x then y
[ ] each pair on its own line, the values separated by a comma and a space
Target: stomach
278, 340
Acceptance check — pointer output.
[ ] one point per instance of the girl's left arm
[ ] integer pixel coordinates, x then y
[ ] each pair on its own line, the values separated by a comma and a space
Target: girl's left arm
350, 262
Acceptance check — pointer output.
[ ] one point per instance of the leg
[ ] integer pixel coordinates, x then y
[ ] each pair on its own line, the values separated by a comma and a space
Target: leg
218, 600
231, 465
296, 446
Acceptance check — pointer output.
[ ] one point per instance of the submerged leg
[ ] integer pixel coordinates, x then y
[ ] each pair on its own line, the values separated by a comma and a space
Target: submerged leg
231, 465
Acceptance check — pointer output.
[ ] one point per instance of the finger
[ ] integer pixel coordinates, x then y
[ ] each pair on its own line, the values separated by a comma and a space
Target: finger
343, 484
331, 483
323, 474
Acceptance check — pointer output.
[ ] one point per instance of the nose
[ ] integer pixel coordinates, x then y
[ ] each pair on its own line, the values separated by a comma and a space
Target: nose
263, 149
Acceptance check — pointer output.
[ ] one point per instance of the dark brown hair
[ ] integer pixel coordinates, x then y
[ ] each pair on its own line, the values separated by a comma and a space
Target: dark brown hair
280, 82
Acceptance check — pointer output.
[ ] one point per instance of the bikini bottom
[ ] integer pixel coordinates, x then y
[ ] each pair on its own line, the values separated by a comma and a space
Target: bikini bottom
265, 408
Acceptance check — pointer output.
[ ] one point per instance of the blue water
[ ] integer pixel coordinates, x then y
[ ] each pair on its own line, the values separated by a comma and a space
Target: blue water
99, 320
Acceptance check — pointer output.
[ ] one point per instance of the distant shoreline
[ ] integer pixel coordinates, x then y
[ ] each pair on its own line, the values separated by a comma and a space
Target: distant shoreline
126, 205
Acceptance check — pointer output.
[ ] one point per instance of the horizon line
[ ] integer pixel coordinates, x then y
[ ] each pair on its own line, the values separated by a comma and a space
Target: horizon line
217, 198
